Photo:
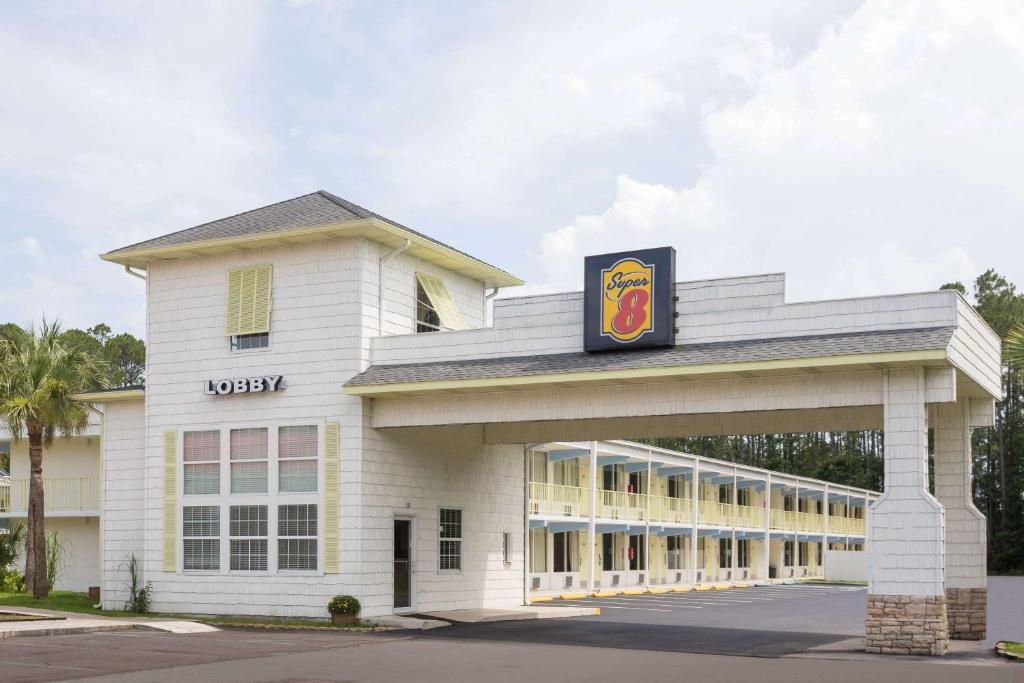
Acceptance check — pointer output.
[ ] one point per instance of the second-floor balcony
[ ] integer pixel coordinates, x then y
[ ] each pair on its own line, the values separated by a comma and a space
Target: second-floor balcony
63, 496
556, 500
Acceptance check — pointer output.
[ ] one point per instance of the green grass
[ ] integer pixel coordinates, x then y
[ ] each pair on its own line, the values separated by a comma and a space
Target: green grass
11, 616
64, 601
67, 601
1014, 648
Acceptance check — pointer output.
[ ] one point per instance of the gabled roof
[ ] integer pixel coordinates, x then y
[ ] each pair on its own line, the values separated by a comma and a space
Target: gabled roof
313, 217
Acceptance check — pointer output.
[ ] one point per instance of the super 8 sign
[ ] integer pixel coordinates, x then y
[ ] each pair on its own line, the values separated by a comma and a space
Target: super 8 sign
629, 300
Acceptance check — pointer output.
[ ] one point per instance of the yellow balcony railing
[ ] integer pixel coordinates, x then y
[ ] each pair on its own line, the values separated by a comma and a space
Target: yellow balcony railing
846, 525
747, 516
676, 510
789, 520
558, 500
60, 494
717, 514
621, 505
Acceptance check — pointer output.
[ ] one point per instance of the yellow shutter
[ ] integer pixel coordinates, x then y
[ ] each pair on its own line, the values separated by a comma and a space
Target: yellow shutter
170, 501
442, 302
332, 450
248, 300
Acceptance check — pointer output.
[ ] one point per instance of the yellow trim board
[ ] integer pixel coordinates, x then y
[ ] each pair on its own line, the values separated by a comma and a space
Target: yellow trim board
371, 228
404, 388
110, 396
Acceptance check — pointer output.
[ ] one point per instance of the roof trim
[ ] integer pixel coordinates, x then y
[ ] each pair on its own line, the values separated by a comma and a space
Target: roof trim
667, 372
110, 396
371, 228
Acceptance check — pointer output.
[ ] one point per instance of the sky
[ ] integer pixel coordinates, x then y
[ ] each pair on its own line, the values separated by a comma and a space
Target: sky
863, 148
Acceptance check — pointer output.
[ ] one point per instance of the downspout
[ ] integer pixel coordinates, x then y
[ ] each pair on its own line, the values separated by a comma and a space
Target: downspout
380, 283
128, 269
487, 300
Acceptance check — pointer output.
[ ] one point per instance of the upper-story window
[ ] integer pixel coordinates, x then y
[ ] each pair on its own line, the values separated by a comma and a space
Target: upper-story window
247, 314
435, 308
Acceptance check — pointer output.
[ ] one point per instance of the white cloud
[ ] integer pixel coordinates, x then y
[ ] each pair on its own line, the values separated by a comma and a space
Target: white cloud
887, 159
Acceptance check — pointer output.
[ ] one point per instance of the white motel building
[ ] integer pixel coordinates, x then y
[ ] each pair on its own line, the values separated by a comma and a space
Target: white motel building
327, 410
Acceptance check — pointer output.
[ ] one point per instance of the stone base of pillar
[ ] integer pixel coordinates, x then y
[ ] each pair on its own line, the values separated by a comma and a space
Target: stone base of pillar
966, 610
906, 625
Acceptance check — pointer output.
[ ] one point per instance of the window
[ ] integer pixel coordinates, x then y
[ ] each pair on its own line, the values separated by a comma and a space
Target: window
296, 543
435, 308
249, 460
506, 547
248, 537
427, 319
725, 553
297, 449
201, 467
636, 553
450, 540
244, 342
200, 527
818, 553
743, 553
787, 554
743, 497
787, 503
725, 494
566, 551
802, 549
675, 552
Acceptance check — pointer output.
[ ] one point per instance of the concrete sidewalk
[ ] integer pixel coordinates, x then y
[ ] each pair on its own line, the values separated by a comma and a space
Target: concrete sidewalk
67, 623
478, 616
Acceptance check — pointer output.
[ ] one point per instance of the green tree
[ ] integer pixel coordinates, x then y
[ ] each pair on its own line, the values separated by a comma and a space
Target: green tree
123, 354
40, 374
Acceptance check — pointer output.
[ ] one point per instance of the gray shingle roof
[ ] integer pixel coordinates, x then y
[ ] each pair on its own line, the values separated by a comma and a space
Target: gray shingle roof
681, 355
308, 211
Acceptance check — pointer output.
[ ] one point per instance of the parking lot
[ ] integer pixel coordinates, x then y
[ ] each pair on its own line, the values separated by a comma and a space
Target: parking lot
756, 621
660, 635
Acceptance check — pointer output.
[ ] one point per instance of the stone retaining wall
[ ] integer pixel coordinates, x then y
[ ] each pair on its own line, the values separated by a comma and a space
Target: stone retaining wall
906, 625
966, 610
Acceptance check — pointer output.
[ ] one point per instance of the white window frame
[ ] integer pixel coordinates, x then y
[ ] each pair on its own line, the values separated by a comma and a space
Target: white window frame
279, 538
461, 539
271, 435
225, 499
219, 462
248, 537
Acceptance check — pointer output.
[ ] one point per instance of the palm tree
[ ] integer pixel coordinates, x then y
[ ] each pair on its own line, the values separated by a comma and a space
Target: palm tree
40, 374
1013, 349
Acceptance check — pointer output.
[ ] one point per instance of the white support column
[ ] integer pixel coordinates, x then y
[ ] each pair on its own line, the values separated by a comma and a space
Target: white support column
796, 532
733, 550
906, 588
965, 531
694, 537
592, 526
527, 455
824, 529
767, 550
647, 525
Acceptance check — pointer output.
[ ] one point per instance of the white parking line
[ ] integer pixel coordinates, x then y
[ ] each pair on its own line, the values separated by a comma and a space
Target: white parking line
641, 609
638, 603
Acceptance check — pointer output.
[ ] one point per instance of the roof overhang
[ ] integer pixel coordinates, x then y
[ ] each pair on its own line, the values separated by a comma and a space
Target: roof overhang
111, 396
818, 364
370, 228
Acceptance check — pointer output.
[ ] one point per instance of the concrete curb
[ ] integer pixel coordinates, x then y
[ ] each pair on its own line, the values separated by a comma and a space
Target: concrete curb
65, 630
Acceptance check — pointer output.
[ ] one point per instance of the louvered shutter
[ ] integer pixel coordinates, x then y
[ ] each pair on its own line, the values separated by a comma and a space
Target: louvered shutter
170, 501
442, 302
332, 451
248, 300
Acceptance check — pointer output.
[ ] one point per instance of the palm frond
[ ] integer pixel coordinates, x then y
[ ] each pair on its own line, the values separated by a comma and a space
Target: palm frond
1013, 346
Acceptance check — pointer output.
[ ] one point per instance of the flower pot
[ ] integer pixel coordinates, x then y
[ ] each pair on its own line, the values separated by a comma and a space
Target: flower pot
343, 619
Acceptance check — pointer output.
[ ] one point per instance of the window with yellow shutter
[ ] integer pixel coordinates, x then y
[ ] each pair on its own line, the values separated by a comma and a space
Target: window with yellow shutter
435, 308
247, 314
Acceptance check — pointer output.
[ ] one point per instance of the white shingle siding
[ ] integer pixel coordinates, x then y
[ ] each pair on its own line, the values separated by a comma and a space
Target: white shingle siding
122, 528
906, 553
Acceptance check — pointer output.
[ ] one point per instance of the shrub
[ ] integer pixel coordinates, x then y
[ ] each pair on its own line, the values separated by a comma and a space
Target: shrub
11, 543
11, 581
54, 558
343, 604
139, 596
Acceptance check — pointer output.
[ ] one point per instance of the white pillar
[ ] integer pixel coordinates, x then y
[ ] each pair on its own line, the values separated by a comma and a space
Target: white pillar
695, 496
965, 530
906, 587
735, 501
824, 529
592, 524
767, 550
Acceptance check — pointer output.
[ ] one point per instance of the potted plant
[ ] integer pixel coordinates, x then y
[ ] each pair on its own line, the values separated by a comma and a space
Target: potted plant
344, 609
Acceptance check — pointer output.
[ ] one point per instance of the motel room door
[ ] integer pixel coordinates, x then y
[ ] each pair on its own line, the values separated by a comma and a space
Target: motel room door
403, 565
